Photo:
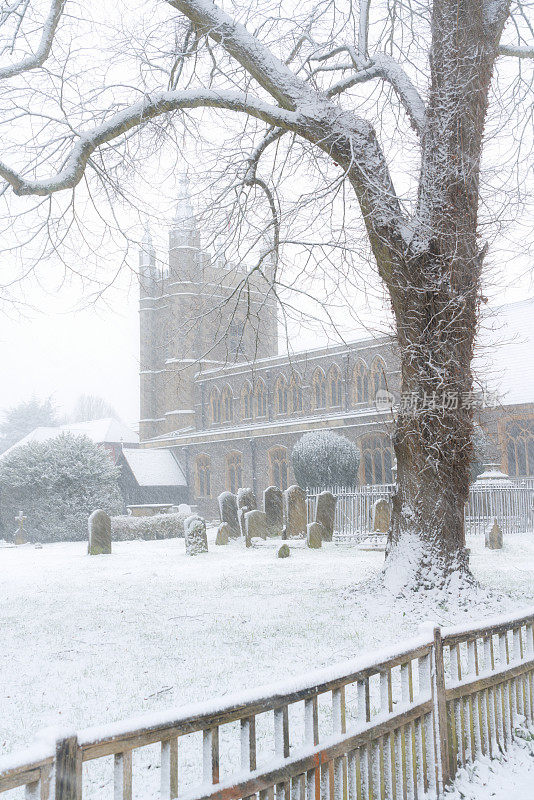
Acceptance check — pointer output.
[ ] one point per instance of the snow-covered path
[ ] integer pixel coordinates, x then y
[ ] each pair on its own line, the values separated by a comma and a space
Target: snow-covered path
89, 640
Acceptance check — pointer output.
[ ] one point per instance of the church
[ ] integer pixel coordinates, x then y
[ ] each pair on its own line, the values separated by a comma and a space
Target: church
217, 393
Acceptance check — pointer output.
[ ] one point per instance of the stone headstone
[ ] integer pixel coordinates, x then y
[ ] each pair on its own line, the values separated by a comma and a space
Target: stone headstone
99, 533
256, 524
325, 513
20, 538
315, 535
223, 533
228, 512
284, 551
241, 519
246, 497
296, 513
494, 537
381, 516
196, 541
273, 505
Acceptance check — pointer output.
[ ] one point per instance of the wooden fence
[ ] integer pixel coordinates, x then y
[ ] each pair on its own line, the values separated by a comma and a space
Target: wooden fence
391, 726
512, 506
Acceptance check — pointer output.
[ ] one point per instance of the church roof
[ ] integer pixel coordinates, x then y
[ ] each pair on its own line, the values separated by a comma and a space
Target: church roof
100, 431
156, 467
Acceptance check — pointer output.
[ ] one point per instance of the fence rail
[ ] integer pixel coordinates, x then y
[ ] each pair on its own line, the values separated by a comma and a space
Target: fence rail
393, 725
511, 505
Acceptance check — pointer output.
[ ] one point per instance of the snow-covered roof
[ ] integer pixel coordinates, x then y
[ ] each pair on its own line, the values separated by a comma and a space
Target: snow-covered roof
505, 355
100, 431
156, 467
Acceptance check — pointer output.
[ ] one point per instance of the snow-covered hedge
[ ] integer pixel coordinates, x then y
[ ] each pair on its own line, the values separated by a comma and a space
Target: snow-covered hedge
57, 484
324, 458
159, 526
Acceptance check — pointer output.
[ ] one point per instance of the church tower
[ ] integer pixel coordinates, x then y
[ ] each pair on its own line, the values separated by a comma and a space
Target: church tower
197, 313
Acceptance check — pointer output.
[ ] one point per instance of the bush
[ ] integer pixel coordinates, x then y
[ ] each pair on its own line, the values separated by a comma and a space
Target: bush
57, 484
324, 458
159, 526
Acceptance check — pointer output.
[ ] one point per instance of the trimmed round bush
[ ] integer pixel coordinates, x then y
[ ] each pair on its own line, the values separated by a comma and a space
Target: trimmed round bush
324, 458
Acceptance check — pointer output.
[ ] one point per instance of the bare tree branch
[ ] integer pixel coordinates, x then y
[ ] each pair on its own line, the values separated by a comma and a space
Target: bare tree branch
43, 50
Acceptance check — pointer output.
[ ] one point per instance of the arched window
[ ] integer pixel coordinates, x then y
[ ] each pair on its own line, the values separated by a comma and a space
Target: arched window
261, 399
215, 406
246, 401
519, 439
378, 376
227, 403
319, 389
234, 471
334, 386
295, 394
360, 385
203, 475
281, 395
377, 459
278, 467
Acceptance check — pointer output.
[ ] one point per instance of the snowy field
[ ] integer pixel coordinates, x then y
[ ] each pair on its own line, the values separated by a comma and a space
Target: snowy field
89, 640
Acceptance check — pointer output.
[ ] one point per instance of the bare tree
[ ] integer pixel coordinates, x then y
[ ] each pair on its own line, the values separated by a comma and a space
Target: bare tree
308, 75
89, 407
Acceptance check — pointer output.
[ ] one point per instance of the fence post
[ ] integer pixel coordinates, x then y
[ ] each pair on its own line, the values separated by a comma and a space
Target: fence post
68, 769
440, 712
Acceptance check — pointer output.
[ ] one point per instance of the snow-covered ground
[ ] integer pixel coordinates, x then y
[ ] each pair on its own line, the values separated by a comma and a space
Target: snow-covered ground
89, 640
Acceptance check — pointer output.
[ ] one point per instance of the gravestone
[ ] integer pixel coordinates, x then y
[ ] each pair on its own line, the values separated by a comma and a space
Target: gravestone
241, 519
246, 497
315, 535
223, 533
228, 512
381, 516
256, 524
20, 536
325, 513
196, 541
284, 551
274, 509
296, 513
493, 540
99, 533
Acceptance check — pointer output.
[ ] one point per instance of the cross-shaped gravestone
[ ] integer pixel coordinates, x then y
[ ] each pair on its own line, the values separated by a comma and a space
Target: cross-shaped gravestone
20, 538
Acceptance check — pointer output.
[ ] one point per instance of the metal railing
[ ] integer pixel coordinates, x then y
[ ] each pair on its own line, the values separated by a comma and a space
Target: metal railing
512, 506
395, 724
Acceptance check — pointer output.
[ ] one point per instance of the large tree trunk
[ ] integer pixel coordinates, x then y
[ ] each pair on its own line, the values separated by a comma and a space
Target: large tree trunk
433, 440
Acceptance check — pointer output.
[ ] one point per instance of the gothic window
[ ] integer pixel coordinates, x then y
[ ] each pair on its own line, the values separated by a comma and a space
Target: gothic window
377, 459
203, 475
261, 399
295, 393
281, 395
378, 376
360, 386
319, 389
246, 401
227, 402
334, 386
215, 406
234, 471
519, 438
236, 343
279, 467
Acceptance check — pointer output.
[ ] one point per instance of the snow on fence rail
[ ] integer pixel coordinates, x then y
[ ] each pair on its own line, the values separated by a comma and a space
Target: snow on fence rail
512, 506
392, 725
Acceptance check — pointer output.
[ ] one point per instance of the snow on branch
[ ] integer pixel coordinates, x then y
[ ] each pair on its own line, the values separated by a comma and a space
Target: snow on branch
517, 51
38, 58
136, 115
271, 73
383, 66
